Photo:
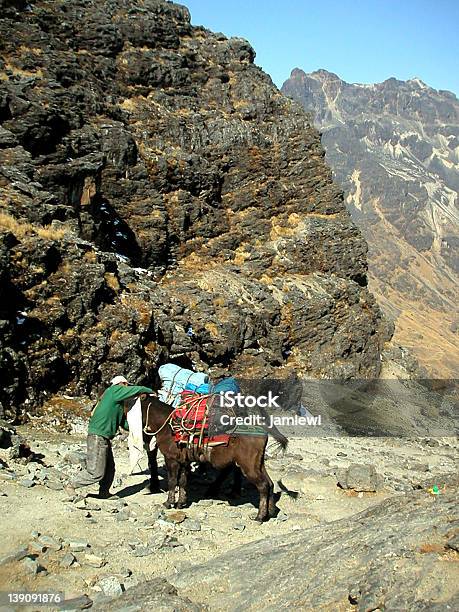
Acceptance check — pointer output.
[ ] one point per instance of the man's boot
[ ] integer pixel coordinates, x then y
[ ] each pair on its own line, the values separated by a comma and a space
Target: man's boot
107, 495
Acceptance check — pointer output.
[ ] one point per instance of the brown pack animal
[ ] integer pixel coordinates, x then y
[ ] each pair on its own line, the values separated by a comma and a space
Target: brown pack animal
245, 451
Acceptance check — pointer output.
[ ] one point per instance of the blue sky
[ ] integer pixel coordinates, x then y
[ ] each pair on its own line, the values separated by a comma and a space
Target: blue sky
363, 41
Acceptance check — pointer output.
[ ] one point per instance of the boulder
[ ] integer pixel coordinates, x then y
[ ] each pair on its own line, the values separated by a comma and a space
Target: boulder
359, 477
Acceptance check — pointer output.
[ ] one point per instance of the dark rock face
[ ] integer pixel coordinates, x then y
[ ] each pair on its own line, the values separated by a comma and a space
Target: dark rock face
162, 200
394, 147
391, 557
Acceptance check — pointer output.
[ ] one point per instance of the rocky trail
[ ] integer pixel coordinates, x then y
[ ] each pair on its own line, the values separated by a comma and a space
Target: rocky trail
130, 552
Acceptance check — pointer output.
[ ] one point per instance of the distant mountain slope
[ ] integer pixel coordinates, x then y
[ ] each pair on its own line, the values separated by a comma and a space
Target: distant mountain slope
394, 147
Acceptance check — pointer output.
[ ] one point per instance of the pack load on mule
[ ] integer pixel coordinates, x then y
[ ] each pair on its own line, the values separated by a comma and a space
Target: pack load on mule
193, 417
175, 379
196, 403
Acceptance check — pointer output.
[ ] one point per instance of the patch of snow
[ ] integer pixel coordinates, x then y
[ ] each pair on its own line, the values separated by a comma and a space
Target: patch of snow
331, 103
142, 271
417, 81
355, 198
365, 85
396, 150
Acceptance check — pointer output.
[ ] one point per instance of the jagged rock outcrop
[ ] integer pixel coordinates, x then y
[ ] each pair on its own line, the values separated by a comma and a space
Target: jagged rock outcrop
394, 146
160, 199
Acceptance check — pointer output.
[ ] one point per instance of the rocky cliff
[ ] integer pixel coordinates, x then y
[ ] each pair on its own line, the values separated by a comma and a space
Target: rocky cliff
394, 146
160, 199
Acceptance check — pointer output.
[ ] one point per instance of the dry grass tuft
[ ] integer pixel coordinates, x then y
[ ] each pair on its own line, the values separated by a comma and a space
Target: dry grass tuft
22, 228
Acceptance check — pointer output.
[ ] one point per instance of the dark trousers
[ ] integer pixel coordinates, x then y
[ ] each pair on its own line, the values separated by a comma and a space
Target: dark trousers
100, 465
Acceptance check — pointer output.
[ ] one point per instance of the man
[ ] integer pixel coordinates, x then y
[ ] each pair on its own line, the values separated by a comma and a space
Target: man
106, 418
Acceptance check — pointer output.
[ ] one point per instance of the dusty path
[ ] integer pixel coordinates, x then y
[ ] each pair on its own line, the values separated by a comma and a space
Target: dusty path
118, 531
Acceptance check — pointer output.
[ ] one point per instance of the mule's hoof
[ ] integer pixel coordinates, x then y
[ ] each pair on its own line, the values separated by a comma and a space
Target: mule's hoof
167, 505
181, 505
258, 519
154, 490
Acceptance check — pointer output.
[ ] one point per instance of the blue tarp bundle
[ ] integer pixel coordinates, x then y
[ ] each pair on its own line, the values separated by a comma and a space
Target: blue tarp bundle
174, 380
202, 389
225, 385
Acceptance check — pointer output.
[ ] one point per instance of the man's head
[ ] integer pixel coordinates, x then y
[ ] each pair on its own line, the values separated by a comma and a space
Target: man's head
119, 380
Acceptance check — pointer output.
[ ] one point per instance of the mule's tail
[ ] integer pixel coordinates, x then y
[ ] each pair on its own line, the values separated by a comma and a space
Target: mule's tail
278, 436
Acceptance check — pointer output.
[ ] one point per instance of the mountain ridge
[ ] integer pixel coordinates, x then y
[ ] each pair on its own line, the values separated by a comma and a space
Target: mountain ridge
394, 147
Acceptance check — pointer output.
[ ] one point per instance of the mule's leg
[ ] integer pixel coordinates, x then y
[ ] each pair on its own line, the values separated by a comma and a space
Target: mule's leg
153, 467
253, 472
271, 501
172, 474
183, 479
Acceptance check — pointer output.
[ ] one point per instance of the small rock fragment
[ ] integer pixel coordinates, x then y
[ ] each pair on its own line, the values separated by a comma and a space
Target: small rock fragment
111, 586
92, 506
94, 560
54, 485
130, 582
175, 517
16, 555
31, 566
50, 542
142, 551
122, 516
9, 475
191, 525
234, 514
78, 545
75, 458
157, 541
67, 560
27, 483
36, 548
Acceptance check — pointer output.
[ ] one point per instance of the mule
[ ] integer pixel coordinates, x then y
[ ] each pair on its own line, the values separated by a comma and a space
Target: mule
245, 451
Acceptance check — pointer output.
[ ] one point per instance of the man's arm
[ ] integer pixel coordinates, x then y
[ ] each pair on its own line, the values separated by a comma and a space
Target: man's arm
123, 393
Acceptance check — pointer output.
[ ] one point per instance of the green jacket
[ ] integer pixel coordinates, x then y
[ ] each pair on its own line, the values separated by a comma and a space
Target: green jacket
109, 415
